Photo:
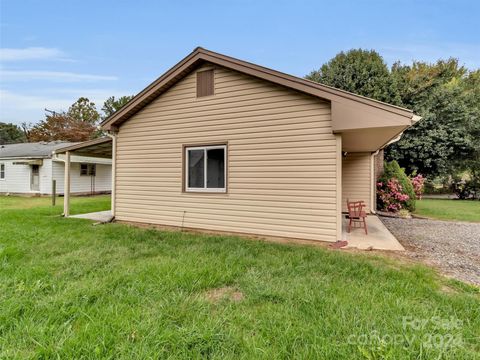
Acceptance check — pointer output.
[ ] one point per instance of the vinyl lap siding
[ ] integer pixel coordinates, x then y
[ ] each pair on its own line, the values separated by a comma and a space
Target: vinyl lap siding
281, 160
102, 182
17, 177
356, 173
46, 177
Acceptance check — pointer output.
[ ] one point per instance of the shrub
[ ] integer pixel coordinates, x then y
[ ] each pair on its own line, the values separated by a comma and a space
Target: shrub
394, 189
465, 188
418, 183
438, 185
404, 213
390, 195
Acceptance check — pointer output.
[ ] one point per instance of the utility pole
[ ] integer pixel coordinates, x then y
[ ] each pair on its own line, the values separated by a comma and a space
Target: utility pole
53, 112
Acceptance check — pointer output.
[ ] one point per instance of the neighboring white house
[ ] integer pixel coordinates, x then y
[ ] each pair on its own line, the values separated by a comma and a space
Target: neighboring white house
30, 168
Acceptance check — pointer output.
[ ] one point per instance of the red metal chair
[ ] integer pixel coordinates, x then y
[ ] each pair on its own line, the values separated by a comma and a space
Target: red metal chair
357, 214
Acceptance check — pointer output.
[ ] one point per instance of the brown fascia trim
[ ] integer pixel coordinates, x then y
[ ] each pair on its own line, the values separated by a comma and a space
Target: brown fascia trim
83, 145
312, 84
202, 55
141, 98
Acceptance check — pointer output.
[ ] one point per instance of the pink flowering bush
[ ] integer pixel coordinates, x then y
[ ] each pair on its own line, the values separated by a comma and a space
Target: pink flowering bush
418, 183
395, 190
391, 196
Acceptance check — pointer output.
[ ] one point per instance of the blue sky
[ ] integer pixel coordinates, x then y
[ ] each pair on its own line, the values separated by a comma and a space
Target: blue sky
52, 52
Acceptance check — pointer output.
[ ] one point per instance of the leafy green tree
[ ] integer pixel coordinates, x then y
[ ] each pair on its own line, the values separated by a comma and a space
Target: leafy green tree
443, 141
417, 83
435, 145
10, 133
111, 105
445, 94
84, 110
362, 72
471, 94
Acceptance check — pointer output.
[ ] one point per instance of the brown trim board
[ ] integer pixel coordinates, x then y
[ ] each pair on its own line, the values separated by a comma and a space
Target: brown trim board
200, 56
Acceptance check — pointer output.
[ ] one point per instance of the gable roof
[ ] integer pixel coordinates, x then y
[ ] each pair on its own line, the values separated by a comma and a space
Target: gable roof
345, 102
36, 150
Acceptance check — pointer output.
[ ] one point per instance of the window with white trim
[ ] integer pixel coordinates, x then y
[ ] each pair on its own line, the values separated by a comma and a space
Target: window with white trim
205, 168
83, 169
2, 171
88, 169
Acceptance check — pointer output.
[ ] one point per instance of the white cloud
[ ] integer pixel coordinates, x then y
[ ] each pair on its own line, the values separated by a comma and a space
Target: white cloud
57, 76
468, 54
19, 107
31, 53
15, 100
29, 92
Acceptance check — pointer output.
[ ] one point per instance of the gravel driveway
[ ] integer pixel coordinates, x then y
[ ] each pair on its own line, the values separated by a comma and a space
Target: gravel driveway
453, 247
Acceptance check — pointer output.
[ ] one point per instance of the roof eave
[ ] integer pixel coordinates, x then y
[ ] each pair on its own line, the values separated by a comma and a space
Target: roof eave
201, 55
82, 145
25, 157
189, 60
415, 119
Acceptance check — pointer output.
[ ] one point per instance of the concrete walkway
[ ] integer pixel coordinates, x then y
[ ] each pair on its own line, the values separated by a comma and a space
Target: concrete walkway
378, 238
100, 216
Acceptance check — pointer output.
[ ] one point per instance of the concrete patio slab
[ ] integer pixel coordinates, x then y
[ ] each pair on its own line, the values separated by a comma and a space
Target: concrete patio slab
100, 216
378, 238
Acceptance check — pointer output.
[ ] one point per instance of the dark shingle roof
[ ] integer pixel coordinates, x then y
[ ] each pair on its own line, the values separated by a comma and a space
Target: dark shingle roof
31, 150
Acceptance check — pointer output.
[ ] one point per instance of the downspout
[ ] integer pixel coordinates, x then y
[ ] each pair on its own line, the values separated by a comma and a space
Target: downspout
66, 186
113, 135
373, 188
56, 158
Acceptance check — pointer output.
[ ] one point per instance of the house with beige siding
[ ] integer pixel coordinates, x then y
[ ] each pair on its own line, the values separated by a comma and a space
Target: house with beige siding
220, 144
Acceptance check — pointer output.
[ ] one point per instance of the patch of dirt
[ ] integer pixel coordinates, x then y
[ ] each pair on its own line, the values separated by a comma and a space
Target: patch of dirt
448, 290
224, 293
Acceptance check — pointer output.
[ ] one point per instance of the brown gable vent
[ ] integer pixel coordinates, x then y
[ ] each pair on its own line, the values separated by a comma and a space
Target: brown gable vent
204, 83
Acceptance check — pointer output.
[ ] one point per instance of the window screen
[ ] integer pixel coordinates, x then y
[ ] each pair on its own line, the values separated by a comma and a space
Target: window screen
83, 169
206, 168
196, 168
2, 171
88, 169
216, 168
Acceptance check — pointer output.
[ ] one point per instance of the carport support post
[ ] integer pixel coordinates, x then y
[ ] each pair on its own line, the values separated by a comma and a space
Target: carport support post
54, 191
66, 186
114, 172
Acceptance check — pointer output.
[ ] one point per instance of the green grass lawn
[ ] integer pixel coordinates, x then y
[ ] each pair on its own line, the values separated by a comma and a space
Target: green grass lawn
461, 210
80, 204
72, 290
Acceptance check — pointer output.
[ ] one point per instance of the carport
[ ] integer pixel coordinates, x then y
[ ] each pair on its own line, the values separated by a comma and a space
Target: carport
102, 148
